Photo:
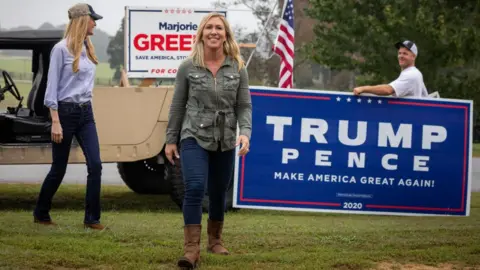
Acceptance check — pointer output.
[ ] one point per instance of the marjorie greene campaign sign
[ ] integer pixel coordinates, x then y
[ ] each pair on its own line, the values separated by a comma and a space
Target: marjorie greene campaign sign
335, 152
158, 39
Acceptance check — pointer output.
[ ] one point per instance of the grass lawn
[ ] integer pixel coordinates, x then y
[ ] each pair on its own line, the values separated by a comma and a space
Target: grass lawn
10, 101
146, 233
24, 65
476, 150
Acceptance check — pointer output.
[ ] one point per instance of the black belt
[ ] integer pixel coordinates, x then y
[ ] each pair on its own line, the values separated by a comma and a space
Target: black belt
74, 104
220, 121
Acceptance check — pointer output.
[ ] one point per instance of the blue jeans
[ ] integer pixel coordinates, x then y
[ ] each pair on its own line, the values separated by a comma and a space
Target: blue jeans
76, 120
200, 166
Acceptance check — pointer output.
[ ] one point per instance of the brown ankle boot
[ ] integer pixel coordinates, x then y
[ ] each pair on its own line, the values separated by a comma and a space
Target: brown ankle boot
99, 227
191, 246
49, 222
215, 242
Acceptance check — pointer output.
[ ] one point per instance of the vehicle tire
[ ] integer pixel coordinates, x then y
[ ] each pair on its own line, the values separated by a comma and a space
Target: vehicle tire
144, 176
173, 175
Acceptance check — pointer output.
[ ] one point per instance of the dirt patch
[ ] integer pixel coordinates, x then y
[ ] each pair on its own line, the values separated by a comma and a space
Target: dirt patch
414, 266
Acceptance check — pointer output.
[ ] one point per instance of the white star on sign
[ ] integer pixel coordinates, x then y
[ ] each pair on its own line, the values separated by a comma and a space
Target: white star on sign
359, 100
349, 99
369, 101
379, 102
338, 99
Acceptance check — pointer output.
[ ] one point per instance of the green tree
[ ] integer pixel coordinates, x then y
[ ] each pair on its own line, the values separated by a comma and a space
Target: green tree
359, 35
115, 50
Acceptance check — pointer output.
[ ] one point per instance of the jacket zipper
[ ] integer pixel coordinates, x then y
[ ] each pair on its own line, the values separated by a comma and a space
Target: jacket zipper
216, 97
216, 94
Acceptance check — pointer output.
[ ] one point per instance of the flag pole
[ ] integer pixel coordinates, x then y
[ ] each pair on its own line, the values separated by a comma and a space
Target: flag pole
284, 45
281, 13
264, 28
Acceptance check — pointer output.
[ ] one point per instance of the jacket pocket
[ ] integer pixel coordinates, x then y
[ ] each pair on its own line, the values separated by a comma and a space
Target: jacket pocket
204, 127
231, 81
198, 81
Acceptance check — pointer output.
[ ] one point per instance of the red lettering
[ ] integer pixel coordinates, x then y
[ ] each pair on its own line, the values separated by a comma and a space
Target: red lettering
157, 42
169, 42
161, 71
186, 42
140, 45
172, 41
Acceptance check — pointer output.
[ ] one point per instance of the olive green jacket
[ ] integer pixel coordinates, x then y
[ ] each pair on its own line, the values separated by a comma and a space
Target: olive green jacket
208, 108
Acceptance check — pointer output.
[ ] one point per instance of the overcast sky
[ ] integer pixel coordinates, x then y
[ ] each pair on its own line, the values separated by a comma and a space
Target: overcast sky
33, 13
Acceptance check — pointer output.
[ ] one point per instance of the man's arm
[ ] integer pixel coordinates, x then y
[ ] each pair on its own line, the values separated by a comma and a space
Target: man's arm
381, 90
401, 87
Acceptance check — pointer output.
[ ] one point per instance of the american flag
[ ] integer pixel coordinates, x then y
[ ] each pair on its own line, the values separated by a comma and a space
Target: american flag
284, 46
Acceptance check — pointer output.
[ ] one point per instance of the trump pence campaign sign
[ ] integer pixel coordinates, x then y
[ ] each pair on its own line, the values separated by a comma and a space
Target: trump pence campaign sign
334, 152
158, 39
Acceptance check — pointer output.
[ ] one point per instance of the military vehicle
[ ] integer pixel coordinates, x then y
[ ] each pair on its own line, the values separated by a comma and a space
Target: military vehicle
131, 123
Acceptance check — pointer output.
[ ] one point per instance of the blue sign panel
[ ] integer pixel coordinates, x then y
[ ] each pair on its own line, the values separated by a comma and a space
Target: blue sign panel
336, 152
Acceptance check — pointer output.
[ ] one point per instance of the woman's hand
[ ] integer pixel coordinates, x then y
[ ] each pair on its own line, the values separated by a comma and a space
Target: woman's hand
170, 150
242, 139
57, 132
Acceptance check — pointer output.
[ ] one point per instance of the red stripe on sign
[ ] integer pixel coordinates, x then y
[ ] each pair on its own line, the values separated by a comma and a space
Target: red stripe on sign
289, 96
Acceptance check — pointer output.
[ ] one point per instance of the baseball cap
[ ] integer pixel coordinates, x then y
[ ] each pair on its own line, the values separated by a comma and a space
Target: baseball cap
409, 45
82, 9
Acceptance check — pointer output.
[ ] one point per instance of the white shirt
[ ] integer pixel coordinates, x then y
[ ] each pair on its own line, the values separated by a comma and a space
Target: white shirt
409, 84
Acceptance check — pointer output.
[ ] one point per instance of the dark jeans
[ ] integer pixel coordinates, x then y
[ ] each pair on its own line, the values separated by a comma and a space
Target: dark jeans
198, 166
76, 120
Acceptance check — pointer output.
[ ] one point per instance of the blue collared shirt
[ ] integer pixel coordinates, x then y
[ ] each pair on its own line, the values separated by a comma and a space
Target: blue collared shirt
62, 83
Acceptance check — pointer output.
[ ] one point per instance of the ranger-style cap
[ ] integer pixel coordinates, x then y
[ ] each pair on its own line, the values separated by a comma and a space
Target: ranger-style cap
83, 9
409, 45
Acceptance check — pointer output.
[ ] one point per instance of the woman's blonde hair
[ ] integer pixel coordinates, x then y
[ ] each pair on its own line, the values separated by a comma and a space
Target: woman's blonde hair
76, 34
230, 46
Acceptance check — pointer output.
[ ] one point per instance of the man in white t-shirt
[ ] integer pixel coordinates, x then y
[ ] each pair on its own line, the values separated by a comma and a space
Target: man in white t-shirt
408, 84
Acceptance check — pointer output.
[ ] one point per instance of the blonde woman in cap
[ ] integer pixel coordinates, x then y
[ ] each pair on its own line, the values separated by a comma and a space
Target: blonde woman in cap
211, 96
68, 96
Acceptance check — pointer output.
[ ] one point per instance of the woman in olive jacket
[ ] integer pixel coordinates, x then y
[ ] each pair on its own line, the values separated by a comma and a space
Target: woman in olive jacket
211, 96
